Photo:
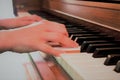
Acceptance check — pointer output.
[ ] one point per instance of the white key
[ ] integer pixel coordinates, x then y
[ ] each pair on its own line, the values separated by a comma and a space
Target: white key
69, 50
83, 66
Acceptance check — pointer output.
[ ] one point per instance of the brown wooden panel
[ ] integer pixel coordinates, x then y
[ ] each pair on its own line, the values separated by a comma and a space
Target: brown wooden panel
101, 13
25, 5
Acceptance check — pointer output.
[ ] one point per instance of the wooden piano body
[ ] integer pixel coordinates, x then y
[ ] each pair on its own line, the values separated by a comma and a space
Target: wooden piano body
100, 16
93, 14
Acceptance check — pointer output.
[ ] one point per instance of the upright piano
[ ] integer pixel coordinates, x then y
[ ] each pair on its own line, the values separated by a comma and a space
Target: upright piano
95, 26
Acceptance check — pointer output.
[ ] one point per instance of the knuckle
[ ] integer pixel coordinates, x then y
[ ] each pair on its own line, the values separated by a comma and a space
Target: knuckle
58, 36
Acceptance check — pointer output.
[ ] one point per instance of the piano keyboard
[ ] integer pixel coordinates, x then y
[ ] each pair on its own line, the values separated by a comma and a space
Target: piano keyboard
99, 56
84, 67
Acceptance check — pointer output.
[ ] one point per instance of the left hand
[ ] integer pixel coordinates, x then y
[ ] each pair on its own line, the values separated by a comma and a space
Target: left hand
19, 21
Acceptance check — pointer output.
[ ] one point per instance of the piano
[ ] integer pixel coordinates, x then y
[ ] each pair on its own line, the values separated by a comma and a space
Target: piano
95, 26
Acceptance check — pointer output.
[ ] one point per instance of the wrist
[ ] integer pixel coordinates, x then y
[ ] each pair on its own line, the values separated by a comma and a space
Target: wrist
5, 23
5, 40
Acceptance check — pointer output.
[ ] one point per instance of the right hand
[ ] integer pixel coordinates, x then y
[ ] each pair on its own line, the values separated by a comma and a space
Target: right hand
35, 38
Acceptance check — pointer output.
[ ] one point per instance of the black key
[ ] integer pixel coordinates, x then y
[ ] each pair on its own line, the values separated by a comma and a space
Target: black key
79, 26
71, 25
71, 28
60, 21
103, 52
81, 35
84, 27
91, 48
85, 32
80, 40
52, 19
68, 25
75, 30
117, 68
85, 44
112, 59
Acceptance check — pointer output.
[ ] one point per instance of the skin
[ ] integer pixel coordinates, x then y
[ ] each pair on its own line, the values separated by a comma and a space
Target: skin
19, 21
35, 37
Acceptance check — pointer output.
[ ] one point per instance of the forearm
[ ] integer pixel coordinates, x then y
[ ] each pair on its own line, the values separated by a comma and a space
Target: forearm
5, 23
5, 43
2, 22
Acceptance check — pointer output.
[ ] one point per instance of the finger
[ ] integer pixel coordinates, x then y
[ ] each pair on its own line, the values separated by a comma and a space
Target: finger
31, 18
58, 30
48, 49
36, 17
62, 28
67, 42
55, 27
66, 33
62, 39
24, 23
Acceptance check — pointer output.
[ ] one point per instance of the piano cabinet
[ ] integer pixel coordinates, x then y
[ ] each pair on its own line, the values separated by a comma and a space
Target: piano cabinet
96, 15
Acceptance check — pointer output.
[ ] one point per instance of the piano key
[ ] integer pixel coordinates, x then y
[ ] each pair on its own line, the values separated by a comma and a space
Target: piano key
84, 31
69, 50
51, 18
68, 25
91, 48
112, 59
71, 28
84, 67
117, 68
78, 32
85, 44
81, 35
74, 30
103, 52
76, 26
90, 38
58, 20
61, 21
